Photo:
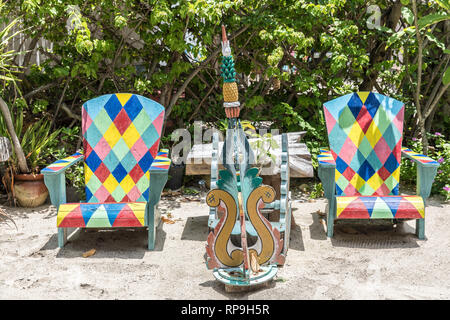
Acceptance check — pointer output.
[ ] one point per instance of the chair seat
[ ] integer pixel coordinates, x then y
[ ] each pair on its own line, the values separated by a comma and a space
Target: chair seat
384, 207
102, 215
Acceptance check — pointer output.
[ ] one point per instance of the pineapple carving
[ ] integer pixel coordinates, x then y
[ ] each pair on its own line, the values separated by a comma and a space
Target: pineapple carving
230, 89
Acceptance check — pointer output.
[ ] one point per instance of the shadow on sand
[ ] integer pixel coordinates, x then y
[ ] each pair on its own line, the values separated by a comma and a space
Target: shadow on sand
121, 243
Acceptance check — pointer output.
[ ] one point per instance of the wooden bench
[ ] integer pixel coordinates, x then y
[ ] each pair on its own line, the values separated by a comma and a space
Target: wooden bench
198, 161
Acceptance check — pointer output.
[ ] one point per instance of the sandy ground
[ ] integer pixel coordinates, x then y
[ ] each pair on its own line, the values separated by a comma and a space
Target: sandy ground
360, 262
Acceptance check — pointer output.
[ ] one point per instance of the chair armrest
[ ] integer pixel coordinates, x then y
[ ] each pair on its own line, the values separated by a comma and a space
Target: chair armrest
426, 171
326, 159
418, 158
55, 179
62, 165
159, 173
161, 163
327, 172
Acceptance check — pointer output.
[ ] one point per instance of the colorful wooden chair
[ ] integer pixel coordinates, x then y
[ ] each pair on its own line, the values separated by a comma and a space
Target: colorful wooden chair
124, 172
361, 171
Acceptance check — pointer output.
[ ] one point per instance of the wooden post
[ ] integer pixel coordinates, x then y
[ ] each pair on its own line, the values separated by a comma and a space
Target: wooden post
5, 149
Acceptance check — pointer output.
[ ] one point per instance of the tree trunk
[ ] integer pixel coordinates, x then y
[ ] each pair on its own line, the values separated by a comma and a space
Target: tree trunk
378, 52
22, 161
423, 133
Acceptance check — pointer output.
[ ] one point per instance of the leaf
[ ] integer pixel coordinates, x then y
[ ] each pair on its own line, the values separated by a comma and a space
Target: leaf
444, 4
404, 2
254, 265
168, 221
246, 124
432, 19
446, 78
432, 38
408, 15
89, 253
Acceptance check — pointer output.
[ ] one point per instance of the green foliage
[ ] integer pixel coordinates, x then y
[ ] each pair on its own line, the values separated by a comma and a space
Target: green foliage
263, 146
439, 152
314, 51
35, 138
317, 191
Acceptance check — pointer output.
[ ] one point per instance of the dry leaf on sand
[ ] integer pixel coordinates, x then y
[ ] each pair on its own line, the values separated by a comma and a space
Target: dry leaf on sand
89, 253
169, 221
254, 265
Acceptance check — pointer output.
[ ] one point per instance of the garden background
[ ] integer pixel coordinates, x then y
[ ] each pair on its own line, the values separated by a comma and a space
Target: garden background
291, 57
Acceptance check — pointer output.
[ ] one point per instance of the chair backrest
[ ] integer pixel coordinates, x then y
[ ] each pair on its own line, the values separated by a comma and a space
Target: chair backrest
365, 136
121, 135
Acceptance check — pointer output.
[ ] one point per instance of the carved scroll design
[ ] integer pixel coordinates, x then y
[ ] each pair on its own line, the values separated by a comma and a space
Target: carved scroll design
221, 253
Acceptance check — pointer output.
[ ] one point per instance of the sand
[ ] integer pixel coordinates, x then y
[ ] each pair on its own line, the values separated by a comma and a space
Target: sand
361, 262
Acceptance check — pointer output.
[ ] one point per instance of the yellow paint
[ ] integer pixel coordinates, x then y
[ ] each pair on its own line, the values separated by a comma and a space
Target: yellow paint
342, 203
123, 97
110, 183
63, 211
375, 181
356, 134
131, 135
138, 209
112, 135
417, 202
363, 95
357, 181
165, 163
337, 175
87, 173
373, 134
214, 198
268, 240
396, 174
127, 184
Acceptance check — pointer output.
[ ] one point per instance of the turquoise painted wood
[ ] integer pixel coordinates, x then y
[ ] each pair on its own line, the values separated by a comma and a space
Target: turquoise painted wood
158, 180
326, 174
425, 177
285, 203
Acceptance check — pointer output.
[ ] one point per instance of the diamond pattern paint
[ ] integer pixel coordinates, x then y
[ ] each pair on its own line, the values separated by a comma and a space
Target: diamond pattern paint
120, 133
364, 131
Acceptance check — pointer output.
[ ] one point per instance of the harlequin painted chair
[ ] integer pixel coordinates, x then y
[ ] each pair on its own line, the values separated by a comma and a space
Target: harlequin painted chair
360, 172
124, 172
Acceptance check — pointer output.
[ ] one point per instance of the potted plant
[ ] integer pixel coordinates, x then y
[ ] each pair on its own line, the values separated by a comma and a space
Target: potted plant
26, 184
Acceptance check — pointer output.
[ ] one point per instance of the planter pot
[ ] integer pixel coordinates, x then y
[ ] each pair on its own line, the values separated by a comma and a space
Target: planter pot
176, 174
30, 190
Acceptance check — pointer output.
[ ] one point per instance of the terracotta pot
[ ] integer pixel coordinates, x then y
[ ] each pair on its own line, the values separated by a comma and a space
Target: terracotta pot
30, 190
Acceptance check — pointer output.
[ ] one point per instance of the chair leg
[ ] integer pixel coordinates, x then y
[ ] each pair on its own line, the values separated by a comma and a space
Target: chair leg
330, 224
151, 228
62, 237
151, 238
330, 218
420, 228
